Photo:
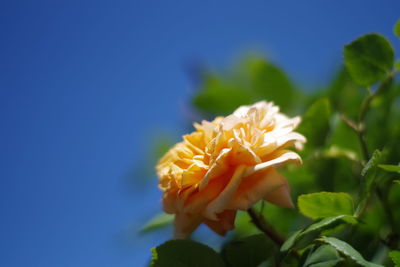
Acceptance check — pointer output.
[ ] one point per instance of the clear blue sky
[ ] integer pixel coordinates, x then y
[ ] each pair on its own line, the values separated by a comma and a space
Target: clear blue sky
84, 85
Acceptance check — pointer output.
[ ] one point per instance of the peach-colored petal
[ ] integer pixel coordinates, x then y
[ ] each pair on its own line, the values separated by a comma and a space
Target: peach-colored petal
185, 224
255, 187
225, 222
218, 168
283, 157
199, 199
280, 196
219, 203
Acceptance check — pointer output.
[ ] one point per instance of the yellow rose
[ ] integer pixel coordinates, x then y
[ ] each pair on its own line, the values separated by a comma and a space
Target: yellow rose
226, 165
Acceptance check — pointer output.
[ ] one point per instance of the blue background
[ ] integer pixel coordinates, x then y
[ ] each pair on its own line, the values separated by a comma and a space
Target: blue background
86, 86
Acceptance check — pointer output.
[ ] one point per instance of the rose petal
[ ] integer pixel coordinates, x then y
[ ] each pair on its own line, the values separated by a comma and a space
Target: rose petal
280, 196
284, 156
255, 187
220, 202
225, 222
185, 224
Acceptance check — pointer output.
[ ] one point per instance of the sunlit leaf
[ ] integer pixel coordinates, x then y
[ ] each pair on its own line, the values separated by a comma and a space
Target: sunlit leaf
249, 251
347, 251
158, 221
339, 152
186, 253
397, 65
396, 28
369, 59
395, 256
325, 204
390, 168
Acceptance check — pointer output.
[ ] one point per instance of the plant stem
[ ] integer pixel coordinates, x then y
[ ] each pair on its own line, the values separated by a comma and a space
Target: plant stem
263, 226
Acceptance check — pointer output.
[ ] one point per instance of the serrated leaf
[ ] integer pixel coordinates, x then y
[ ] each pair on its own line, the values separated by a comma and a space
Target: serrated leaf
390, 168
325, 204
396, 28
250, 251
157, 222
315, 123
185, 253
347, 251
319, 226
369, 59
323, 256
395, 256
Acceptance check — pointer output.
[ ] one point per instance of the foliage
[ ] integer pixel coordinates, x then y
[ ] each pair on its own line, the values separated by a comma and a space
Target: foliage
347, 196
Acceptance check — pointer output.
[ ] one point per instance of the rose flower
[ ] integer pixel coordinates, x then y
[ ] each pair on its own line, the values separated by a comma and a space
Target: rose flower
226, 165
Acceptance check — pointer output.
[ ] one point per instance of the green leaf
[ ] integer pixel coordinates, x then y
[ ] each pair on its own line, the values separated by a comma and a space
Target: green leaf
325, 204
369, 59
291, 241
396, 28
397, 65
395, 256
315, 123
184, 253
319, 226
250, 251
372, 163
339, 152
371, 173
323, 256
270, 82
158, 221
347, 251
390, 168
218, 96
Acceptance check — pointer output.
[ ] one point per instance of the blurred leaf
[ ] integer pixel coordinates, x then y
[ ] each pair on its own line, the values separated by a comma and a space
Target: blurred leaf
315, 123
270, 82
323, 256
338, 152
290, 241
371, 171
220, 97
325, 204
397, 65
249, 251
158, 221
372, 163
342, 136
347, 250
390, 168
396, 181
369, 59
184, 253
395, 256
396, 28
345, 95
319, 226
